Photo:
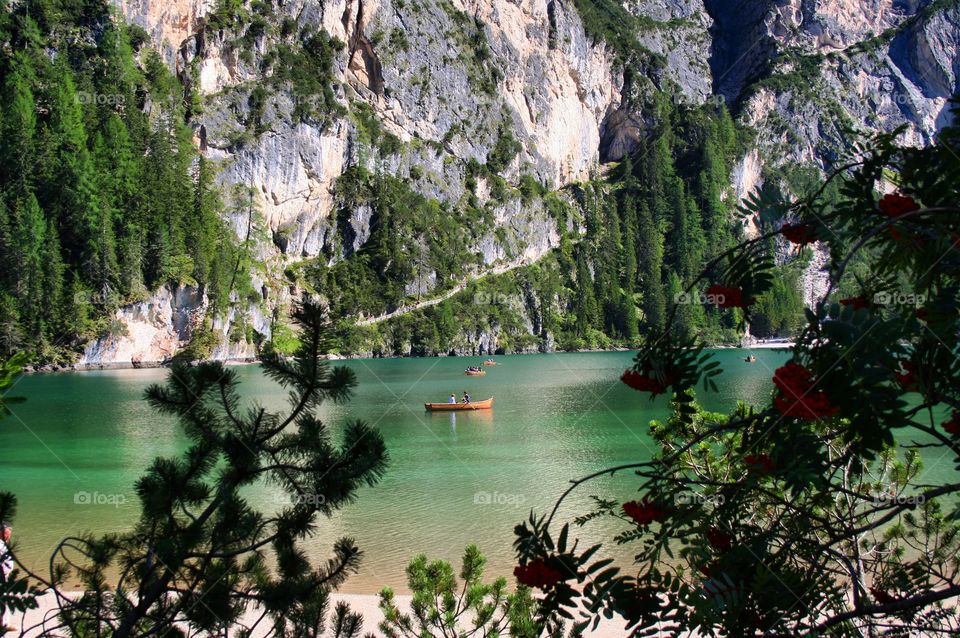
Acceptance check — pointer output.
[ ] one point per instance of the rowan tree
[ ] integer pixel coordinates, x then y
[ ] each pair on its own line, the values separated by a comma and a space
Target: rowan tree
812, 513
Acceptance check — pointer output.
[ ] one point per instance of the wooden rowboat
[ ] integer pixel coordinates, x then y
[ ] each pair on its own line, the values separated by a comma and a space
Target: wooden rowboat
475, 373
447, 407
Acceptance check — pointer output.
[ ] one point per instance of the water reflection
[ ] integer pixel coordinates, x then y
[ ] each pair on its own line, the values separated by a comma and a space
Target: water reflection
556, 417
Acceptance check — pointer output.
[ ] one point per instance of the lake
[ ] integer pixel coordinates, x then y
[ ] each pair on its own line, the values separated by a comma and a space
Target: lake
73, 451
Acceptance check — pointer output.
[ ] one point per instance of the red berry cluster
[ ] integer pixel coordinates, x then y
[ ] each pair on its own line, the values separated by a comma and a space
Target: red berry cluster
644, 382
882, 596
537, 573
801, 234
907, 378
646, 511
953, 425
719, 539
896, 205
797, 396
759, 463
859, 302
728, 296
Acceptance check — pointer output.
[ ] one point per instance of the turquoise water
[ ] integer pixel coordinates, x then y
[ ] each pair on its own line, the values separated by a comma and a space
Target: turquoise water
72, 452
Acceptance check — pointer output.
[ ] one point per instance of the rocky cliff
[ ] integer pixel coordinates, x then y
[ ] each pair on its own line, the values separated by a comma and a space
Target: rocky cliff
426, 90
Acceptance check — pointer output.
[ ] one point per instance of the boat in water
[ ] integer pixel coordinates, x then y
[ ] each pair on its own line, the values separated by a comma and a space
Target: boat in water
490, 362
486, 404
475, 373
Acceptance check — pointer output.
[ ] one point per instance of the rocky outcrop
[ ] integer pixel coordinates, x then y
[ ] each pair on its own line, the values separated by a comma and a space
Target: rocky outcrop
550, 99
151, 332
805, 72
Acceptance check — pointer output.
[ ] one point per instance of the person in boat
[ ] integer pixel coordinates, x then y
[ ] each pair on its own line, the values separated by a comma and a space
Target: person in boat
466, 397
453, 398
6, 567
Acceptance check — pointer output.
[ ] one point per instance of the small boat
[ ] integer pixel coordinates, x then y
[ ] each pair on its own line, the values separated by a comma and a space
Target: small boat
751, 359
488, 362
474, 373
448, 407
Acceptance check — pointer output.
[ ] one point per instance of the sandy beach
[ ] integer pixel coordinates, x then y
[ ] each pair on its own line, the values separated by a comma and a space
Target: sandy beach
30, 625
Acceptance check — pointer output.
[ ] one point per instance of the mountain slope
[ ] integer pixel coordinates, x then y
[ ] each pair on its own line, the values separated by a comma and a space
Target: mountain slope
375, 152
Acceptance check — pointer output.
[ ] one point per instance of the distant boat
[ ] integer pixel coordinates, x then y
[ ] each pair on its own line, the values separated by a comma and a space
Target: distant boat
751, 359
474, 373
488, 362
448, 407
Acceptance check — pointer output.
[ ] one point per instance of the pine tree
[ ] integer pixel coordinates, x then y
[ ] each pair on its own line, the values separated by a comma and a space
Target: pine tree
684, 318
712, 182
118, 74
11, 332
83, 226
205, 228
53, 277
19, 125
630, 248
163, 205
118, 174
659, 172
7, 244
611, 244
650, 267
586, 309
607, 271
76, 310
30, 235
687, 247
199, 539
685, 241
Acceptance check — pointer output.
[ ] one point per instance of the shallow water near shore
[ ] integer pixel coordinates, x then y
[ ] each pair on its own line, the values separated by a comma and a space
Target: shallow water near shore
73, 451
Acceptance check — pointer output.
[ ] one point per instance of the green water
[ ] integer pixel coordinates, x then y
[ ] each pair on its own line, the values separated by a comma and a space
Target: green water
557, 417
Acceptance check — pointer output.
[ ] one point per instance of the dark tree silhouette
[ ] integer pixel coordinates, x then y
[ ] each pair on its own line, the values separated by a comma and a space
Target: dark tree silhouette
201, 555
810, 515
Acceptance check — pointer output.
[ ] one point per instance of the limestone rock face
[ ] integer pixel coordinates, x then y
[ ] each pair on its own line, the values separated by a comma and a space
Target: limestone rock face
154, 330
806, 70
450, 78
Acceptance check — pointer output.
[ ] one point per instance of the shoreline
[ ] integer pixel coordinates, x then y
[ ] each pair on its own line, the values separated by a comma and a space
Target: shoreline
365, 604
149, 365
